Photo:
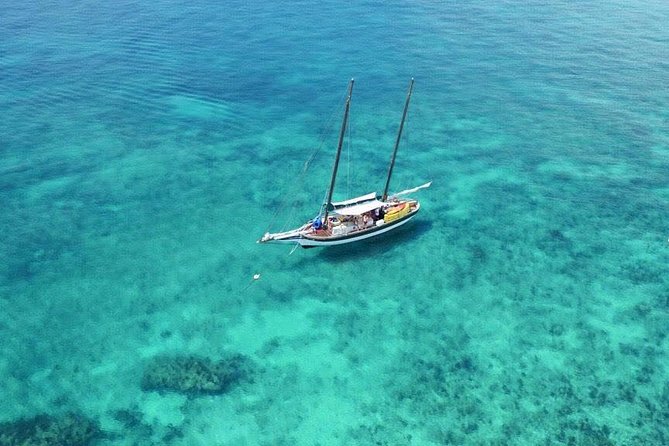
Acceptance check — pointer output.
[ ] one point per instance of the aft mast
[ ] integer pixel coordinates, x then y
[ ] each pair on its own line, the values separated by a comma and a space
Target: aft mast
328, 203
384, 197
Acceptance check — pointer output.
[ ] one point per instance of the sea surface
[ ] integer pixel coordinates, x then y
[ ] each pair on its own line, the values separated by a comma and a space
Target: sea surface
146, 145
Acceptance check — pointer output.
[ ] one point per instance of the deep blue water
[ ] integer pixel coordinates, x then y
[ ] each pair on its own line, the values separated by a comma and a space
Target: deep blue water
145, 146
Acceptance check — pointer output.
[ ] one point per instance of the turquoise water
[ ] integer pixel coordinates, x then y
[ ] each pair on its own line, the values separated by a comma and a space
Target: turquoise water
145, 146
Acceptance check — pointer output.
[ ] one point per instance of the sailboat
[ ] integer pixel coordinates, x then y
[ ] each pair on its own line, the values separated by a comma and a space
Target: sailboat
357, 218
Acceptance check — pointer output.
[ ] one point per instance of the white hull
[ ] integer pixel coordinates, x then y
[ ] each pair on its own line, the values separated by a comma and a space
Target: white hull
310, 242
304, 237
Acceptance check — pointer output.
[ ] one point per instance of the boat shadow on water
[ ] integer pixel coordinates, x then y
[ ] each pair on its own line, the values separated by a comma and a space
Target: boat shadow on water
384, 243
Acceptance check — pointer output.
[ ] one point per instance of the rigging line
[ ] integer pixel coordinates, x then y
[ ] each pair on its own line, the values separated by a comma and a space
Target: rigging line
417, 116
348, 160
407, 131
322, 137
297, 184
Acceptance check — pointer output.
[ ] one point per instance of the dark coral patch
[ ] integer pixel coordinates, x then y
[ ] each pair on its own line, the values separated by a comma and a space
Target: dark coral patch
193, 375
47, 430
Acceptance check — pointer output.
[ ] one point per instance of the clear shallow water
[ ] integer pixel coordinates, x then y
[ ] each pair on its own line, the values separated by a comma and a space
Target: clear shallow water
145, 147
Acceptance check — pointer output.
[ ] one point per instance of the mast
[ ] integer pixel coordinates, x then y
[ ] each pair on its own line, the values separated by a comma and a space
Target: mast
384, 197
328, 203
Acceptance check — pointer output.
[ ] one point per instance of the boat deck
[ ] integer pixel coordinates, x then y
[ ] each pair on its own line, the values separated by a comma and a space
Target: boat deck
356, 230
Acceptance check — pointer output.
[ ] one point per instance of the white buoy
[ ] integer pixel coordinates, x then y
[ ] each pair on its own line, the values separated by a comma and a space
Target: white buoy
256, 276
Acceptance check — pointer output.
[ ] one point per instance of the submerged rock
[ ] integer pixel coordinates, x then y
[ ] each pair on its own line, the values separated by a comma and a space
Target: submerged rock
193, 375
48, 430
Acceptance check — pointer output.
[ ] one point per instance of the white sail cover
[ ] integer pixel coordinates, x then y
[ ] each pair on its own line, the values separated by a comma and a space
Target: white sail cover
358, 205
365, 203
360, 199
359, 208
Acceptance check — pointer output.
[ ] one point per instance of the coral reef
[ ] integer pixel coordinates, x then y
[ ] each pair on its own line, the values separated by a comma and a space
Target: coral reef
50, 430
193, 375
